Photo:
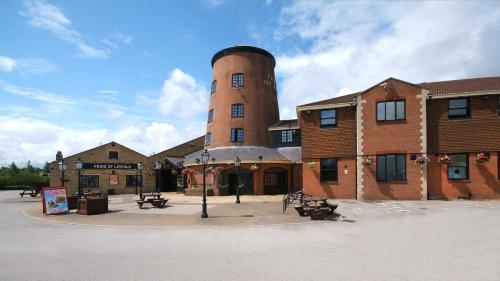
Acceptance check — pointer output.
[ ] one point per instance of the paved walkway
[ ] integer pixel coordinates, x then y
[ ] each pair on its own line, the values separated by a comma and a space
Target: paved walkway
389, 240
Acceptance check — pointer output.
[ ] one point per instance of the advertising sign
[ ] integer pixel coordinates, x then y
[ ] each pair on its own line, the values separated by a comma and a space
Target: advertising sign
54, 200
114, 166
113, 179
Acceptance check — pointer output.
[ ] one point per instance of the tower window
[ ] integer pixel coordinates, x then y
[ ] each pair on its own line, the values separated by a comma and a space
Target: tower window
237, 110
214, 87
238, 80
208, 138
286, 136
236, 134
210, 115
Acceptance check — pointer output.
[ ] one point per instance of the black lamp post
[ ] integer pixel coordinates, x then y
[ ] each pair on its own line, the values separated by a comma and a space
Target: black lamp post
62, 168
204, 160
136, 180
157, 169
237, 162
79, 166
139, 167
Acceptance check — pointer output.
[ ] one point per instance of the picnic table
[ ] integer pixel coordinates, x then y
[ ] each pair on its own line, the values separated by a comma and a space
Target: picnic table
33, 192
316, 207
153, 198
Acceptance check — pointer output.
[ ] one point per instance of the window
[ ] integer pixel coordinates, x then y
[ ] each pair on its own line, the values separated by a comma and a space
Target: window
391, 167
208, 138
113, 155
237, 110
133, 180
236, 134
458, 108
210, 115
214, 87
270, 179
458, 168
328, 169
286, 136
89, 181
238, 80
391, 110
328, 118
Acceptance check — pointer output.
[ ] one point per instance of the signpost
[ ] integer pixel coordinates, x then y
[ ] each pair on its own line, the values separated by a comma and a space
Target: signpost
54, 200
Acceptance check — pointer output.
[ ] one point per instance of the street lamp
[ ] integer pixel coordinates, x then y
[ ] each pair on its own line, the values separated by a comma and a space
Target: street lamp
140, 167
204, 160
79, 166
237, 162
62, 168
136, 179
157, 169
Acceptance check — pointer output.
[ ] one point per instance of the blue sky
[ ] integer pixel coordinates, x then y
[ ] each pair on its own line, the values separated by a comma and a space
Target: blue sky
74, 74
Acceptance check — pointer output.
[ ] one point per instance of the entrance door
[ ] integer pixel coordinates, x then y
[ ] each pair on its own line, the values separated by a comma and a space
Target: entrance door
229, 181
275, 182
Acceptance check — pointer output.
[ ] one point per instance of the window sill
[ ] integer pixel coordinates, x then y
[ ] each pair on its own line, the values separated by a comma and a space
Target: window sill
328, 127
328, 182
460, 180
392, 182
459, 118
382, 122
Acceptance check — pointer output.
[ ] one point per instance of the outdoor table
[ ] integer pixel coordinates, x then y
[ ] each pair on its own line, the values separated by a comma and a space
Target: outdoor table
308, 200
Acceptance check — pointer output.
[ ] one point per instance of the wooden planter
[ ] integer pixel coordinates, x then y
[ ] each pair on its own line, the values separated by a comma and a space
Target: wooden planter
72, 201
93, 205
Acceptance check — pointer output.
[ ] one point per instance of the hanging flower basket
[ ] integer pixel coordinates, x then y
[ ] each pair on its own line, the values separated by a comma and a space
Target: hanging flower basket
208, 169
422, 160
254, 167
367, 161
311, 165
482, 157
446, 159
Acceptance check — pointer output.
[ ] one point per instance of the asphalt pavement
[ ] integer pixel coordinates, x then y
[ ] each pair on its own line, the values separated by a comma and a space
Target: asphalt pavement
388, 240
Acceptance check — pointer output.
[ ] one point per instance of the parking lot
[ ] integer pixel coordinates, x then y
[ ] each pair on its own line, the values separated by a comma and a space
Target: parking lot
386, 240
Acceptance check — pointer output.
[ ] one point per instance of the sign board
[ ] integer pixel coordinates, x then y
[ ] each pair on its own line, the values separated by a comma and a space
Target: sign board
113, 179
112, 166
54, 200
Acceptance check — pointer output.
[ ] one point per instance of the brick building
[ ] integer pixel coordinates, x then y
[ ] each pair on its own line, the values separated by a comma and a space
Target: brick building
243, 122
386, 142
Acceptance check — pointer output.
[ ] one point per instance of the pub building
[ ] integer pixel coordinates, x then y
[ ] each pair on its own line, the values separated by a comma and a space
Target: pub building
395, 140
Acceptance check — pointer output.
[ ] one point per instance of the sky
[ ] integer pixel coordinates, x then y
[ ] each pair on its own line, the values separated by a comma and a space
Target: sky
77, 74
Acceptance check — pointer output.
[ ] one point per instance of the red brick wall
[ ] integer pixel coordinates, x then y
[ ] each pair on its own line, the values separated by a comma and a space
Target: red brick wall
479, 133
483, 180
258, 96
392, 137
328, 142
344, 188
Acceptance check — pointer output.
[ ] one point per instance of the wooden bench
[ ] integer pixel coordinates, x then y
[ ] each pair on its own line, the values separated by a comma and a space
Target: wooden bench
33, 192
155, 202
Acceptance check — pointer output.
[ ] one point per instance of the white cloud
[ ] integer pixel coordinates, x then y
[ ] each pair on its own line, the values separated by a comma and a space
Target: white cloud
124, 38
7, 64
214, 3
26, 66
181, 97
49, 17
24, 138
354, 45
35, 94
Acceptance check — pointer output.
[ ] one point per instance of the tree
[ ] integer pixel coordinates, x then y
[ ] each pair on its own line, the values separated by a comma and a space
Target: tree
46, 168
14, 170
30, 169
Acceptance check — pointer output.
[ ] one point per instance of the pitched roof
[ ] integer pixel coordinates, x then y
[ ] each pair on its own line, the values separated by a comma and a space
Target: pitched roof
183, 149
336, 100
113, 143
463, 85
435, 88
285, 125
247, 154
